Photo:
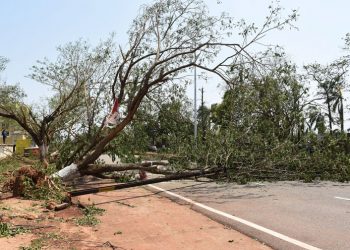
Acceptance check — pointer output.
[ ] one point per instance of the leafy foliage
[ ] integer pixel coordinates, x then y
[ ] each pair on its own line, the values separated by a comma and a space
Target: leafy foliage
44, 191
258, 133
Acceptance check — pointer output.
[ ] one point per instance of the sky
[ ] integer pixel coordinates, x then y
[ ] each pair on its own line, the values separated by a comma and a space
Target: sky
31, 30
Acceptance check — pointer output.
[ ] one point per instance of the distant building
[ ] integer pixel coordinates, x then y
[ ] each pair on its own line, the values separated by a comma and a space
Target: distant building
17, 135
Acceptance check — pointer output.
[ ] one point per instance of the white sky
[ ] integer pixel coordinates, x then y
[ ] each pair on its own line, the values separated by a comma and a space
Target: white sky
31, 30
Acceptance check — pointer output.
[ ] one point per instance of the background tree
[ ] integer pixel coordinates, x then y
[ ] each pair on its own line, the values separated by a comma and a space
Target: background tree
175, 123
331, 83
259, 124
3, 62
315, 120
203, 121
162, 120
78, 72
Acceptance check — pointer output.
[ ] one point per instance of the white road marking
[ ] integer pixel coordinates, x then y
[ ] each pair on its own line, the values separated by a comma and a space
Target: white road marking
245, 222
342, 198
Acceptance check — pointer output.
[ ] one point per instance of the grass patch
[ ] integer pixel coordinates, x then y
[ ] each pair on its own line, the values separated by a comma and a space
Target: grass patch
89, 218
87, 221
36, 244
93, 210
42, 242
7, 230
5, 208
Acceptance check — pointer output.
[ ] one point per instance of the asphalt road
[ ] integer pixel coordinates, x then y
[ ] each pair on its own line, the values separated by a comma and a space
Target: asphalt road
317, 214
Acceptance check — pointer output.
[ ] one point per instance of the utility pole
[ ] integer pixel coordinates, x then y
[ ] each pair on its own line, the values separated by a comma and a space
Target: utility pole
202, 95
195, 103
203, 116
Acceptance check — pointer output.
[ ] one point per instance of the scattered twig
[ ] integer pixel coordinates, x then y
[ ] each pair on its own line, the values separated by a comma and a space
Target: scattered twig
109, 244
32, 226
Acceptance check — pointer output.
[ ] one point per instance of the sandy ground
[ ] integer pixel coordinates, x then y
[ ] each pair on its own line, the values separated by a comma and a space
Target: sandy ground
133, 219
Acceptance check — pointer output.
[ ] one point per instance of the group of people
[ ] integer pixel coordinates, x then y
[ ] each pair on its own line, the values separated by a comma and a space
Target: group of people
4, 134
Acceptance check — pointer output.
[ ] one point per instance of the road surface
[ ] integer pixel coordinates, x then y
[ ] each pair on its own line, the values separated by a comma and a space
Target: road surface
316, 215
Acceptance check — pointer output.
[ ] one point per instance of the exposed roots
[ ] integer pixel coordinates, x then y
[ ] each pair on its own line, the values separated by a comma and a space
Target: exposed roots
28, 177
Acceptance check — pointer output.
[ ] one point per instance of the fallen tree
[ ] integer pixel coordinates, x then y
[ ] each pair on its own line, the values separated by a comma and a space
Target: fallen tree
168, 38
165, 41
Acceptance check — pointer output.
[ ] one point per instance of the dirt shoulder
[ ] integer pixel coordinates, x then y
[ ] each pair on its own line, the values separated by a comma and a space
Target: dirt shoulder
133, 219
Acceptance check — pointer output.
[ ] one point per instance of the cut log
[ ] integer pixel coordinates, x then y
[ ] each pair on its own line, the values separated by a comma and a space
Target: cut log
68, 173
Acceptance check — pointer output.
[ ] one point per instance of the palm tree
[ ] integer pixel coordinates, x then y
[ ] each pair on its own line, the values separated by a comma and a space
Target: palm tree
339, 70
331, 83
338, 106
316, 120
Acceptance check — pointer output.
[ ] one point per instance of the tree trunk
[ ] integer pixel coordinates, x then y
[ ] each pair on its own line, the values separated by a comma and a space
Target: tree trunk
68, 173
100, 145
341, 115
43, 150
151, 167
145, 182
330, 118
75, 170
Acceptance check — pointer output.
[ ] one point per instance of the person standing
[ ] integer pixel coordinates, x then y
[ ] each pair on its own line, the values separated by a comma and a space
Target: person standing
4, 135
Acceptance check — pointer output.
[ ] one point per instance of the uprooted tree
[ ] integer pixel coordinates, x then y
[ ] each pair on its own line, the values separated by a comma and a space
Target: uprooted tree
168, 38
